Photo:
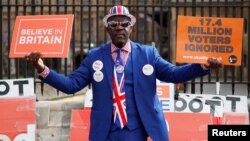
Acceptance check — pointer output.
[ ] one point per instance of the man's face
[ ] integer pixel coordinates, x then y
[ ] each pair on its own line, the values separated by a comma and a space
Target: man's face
119, 29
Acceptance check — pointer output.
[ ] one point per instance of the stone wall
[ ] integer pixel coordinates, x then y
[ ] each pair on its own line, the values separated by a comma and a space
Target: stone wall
53, 111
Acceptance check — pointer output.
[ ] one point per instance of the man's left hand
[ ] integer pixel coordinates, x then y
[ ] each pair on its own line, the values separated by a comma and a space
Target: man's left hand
213, 63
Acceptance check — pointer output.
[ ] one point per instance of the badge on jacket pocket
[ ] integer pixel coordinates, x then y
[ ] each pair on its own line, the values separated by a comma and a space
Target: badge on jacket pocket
147, 69
98, 76
97, 65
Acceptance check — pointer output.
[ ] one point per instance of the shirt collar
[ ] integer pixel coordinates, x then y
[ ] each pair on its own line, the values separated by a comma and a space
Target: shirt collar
127, 47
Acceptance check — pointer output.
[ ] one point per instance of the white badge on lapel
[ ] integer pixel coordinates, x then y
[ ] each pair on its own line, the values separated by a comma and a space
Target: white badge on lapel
119, 69
97, 65
98, 76
147, 69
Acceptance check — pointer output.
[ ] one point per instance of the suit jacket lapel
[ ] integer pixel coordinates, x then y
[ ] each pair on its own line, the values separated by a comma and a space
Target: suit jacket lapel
135, 62
108, 63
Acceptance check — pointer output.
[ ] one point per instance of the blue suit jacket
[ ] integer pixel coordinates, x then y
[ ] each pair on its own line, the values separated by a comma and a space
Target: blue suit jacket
144, 87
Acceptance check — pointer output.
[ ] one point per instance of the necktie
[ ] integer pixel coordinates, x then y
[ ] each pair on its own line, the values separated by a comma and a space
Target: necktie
120, 116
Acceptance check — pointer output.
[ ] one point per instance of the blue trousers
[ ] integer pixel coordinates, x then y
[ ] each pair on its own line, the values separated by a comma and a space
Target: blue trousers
138, 134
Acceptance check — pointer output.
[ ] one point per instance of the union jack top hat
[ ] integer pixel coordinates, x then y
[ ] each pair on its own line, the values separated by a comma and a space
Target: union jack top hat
118, 11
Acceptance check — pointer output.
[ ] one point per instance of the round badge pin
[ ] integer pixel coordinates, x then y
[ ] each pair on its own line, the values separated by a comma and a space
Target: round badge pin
232, 59
97, 65
147, 69
98, 76
119, 69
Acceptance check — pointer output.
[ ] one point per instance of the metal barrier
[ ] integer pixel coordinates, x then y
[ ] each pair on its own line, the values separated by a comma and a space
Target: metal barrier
156, 24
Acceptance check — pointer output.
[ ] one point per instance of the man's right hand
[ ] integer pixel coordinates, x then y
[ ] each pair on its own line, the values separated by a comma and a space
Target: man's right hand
35, 59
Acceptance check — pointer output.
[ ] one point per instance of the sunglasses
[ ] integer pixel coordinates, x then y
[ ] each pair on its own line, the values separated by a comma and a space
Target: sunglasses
114, 24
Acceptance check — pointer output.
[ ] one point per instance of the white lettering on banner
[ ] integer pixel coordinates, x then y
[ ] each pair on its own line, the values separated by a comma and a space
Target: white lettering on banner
159, 91
36, 31
40, 40
165, 104
41, 36
30, 136
165, 92
17, 87
207, 103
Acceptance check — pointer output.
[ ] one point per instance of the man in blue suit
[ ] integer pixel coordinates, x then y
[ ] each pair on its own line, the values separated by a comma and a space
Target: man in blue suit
123, 75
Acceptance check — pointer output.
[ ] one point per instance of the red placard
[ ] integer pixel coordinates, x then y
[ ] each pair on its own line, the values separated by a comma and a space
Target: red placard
194, 127
18, 119
48, 34
80, 124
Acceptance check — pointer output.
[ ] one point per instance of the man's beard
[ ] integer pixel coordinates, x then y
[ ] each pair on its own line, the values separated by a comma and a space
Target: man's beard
120, 43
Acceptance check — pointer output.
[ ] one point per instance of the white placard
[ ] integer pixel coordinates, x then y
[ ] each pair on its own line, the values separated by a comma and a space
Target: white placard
204, 103
16, 87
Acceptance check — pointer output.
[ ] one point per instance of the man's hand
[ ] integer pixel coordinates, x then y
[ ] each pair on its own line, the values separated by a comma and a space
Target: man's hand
35, 59
213, 63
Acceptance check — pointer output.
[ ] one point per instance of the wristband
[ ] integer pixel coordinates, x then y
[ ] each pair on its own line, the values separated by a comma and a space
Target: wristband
45, 72
204, 67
